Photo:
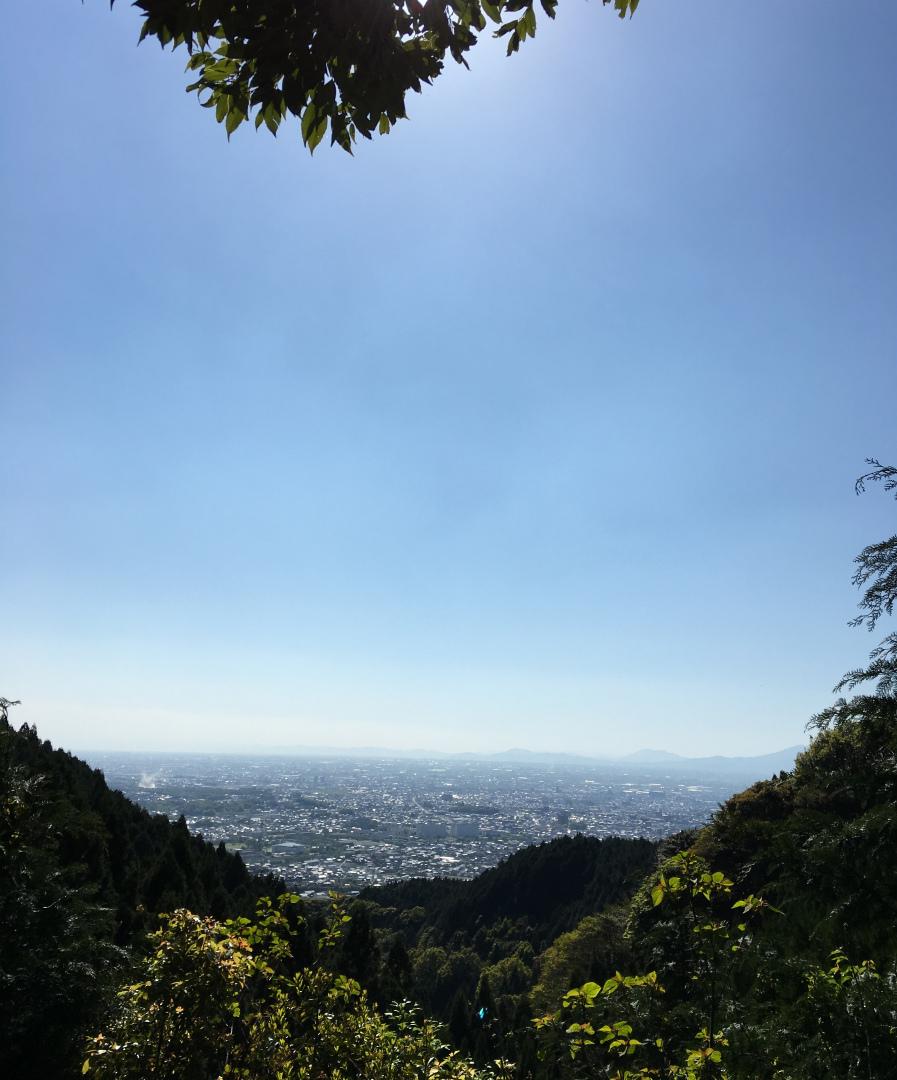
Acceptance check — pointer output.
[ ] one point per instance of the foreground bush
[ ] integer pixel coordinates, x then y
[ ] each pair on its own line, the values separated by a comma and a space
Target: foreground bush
225, 999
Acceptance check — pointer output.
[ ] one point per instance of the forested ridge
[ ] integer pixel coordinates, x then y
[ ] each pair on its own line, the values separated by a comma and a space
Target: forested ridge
139, 863
84, 873
548, 886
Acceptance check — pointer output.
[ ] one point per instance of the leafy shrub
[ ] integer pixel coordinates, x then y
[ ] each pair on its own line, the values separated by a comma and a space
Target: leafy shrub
224, 999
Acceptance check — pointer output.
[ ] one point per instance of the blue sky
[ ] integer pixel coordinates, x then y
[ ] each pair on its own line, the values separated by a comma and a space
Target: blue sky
533, 424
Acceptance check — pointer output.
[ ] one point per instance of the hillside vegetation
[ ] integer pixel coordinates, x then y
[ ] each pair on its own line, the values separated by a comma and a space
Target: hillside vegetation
84, 874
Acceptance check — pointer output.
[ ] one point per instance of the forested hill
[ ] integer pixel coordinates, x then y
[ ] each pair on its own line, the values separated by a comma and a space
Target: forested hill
138, 863
547, 888
821, 841
83, 873
458, 947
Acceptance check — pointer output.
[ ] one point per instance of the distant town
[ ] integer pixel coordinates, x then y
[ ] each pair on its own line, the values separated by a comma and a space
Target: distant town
342, 823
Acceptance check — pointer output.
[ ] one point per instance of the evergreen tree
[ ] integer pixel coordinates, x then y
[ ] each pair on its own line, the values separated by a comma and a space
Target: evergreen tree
57, 961
876, 573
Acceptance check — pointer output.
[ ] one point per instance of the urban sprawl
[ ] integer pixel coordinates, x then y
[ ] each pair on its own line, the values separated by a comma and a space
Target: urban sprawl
343, 823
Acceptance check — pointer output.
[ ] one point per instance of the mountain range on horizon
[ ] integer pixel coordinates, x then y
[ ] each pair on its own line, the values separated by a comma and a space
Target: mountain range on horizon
779, 759
744, 765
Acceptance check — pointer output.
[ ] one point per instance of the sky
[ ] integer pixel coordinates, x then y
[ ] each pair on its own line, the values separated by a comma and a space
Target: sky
533, 424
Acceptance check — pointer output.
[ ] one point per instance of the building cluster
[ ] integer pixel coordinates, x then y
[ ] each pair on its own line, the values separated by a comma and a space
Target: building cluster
343, 823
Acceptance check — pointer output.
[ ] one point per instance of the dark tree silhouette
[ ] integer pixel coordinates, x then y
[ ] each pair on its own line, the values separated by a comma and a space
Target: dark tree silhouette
345, 66
877, 573
5, 706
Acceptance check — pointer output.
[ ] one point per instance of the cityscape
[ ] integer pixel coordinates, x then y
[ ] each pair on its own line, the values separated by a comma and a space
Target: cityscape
342, 823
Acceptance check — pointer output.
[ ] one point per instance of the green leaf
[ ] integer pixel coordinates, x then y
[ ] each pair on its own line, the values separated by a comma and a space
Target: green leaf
234, 118
308, 119
314, 137
271, 116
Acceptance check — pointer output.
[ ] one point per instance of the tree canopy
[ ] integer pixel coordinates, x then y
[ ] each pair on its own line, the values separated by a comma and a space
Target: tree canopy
343, 66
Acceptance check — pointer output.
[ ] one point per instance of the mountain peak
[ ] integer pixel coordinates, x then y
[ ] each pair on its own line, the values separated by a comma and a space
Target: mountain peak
652, 755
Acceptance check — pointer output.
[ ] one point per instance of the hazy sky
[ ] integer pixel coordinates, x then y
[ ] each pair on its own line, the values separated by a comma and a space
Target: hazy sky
534, 424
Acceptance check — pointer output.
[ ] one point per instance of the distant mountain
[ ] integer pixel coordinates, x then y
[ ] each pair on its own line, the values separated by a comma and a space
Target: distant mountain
652, 756
376, 752
746, 768
754, 768
758, 767
535, 757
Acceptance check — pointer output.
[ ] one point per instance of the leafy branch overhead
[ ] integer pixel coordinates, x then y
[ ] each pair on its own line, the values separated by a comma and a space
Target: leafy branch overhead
343, 66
